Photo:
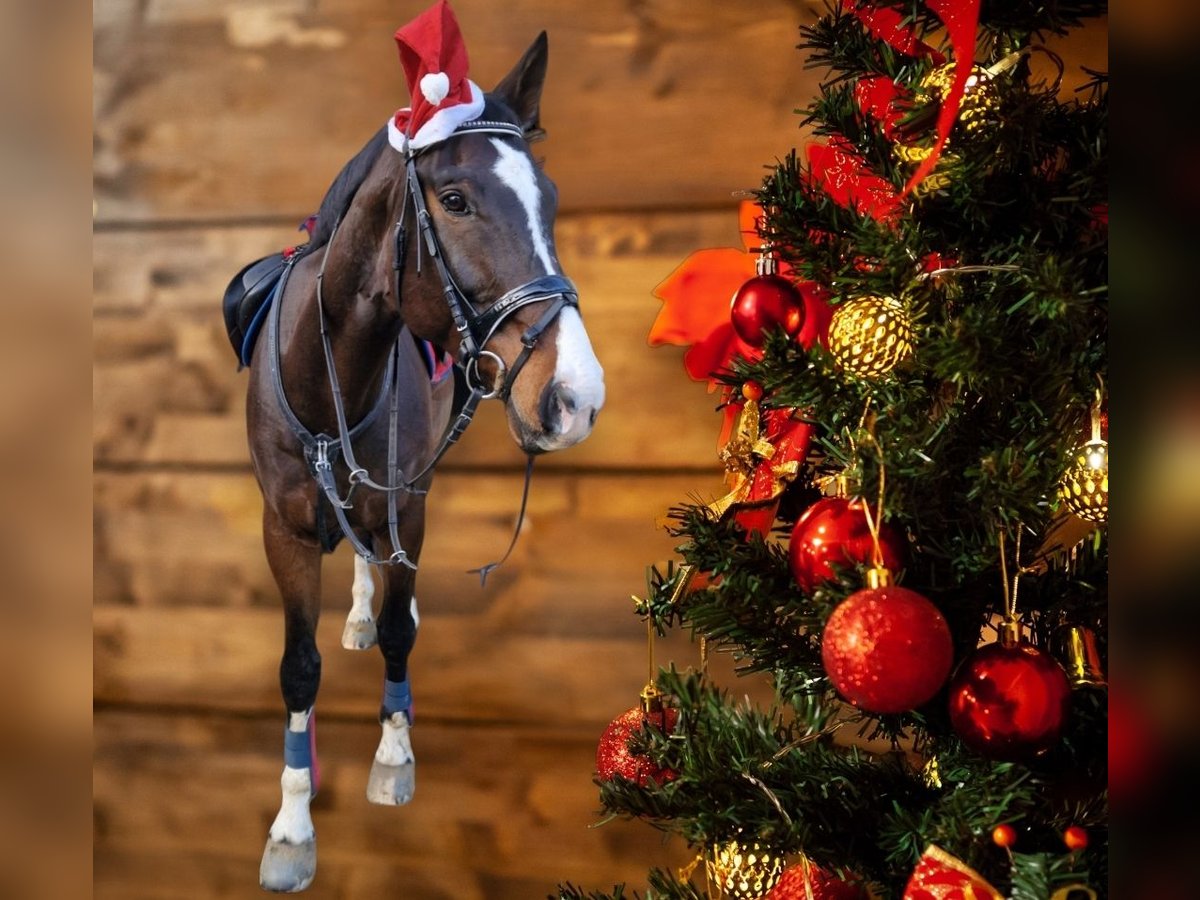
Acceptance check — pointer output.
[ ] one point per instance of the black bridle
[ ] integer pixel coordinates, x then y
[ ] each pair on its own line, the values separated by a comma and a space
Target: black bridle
476, 326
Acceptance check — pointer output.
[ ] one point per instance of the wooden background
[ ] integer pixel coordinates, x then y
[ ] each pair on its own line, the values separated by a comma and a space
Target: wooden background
218, 126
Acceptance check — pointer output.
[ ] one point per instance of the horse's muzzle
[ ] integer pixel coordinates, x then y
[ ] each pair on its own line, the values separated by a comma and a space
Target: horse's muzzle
567, 415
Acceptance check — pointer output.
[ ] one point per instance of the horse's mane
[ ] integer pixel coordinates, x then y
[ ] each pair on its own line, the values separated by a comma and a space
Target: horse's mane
342, 191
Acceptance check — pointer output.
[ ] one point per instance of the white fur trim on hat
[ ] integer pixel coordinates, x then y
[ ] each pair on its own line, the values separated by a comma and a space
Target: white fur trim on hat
441, 124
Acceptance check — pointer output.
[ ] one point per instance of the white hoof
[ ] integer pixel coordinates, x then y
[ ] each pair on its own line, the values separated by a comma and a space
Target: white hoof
359, 634
288, 868
391, 785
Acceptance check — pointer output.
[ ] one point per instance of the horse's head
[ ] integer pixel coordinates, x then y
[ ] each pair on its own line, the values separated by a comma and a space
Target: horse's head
492, 209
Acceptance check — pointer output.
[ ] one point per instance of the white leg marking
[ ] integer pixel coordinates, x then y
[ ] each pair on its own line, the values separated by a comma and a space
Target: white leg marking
363, 591
514, 169
294, 823
359, 632
395, 748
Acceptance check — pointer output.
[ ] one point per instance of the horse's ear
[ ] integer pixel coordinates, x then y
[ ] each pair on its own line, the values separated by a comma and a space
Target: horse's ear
521, 89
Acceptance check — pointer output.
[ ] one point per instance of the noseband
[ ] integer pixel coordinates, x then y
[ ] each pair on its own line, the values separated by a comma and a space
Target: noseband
476, 326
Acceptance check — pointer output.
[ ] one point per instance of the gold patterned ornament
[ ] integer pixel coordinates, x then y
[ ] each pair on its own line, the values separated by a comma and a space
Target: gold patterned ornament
869, 336
977, 110
743, 871
980, 100
1084, 486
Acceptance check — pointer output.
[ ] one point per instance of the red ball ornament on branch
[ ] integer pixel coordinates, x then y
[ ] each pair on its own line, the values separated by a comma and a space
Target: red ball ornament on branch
886, 649
613, 755
835, 531
1009, 700
766, 302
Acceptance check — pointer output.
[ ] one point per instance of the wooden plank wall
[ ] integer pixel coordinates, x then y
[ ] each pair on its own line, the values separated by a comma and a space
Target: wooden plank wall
218, 126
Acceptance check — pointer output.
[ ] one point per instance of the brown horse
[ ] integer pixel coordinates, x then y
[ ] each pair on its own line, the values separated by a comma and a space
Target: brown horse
451, 245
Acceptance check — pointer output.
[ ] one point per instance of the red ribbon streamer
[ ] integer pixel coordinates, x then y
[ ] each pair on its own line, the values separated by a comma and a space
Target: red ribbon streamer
961, 18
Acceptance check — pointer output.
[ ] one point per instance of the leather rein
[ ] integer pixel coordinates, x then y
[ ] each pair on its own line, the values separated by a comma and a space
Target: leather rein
475, 326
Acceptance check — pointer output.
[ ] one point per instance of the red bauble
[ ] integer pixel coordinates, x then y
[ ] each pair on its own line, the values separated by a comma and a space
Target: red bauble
821, 885
834, 531
1009, 701
763, 304
613, 756
887, 649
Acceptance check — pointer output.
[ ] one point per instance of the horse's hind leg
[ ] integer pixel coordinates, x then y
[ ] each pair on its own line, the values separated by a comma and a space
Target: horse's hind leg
359, 633
393, 772
290, 859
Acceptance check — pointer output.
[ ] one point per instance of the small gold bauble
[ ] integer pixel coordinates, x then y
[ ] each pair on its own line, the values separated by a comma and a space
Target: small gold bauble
1084, 486
868, 336
743, 871
977, 109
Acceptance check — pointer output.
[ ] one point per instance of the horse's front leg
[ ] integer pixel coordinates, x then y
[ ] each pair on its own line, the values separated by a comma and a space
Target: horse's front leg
393, 772
290, 859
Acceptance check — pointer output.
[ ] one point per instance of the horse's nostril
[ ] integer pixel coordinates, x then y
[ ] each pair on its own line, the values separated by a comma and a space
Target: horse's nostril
592, 417
567, 398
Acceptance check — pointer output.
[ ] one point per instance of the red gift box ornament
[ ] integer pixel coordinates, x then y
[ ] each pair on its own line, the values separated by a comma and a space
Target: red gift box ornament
941, 876
761, 458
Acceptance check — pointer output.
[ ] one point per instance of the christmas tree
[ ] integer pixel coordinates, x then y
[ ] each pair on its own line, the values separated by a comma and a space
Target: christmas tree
913, 544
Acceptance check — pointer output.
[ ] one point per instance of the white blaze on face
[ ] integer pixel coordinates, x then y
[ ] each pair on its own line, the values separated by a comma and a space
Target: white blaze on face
514, 169
580, 371
577, 372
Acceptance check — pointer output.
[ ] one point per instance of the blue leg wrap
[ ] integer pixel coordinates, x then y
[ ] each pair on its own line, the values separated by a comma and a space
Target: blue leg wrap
397, 697
300, 751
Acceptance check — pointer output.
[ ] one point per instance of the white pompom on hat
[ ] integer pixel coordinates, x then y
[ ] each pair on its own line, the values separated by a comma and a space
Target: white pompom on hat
435, 63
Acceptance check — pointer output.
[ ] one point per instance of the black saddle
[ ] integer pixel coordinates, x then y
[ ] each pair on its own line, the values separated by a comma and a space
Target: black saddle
246, 302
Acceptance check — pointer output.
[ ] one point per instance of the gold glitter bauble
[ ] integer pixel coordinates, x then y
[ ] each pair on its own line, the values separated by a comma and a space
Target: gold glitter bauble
743, 871
1084, 486
868, 336
977, 109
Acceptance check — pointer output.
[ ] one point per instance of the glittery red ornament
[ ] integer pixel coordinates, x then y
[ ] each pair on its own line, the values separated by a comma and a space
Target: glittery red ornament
833, 531
887, 649
763, 304
1009, 701
613, 756
807, 881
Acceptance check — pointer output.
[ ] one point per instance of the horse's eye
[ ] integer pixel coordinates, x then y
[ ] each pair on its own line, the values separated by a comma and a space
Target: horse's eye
453, 202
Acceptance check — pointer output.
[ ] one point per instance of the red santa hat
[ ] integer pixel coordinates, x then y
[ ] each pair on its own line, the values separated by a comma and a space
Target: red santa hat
435, 63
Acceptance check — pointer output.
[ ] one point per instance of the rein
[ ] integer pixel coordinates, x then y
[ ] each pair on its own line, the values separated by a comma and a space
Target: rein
475, 327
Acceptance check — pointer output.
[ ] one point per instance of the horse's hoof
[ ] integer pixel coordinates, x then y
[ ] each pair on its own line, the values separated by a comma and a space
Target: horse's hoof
391, 785
360, 635
288, 868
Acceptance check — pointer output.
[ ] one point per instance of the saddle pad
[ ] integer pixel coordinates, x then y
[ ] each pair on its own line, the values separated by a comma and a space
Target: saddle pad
249, 297
247, 300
